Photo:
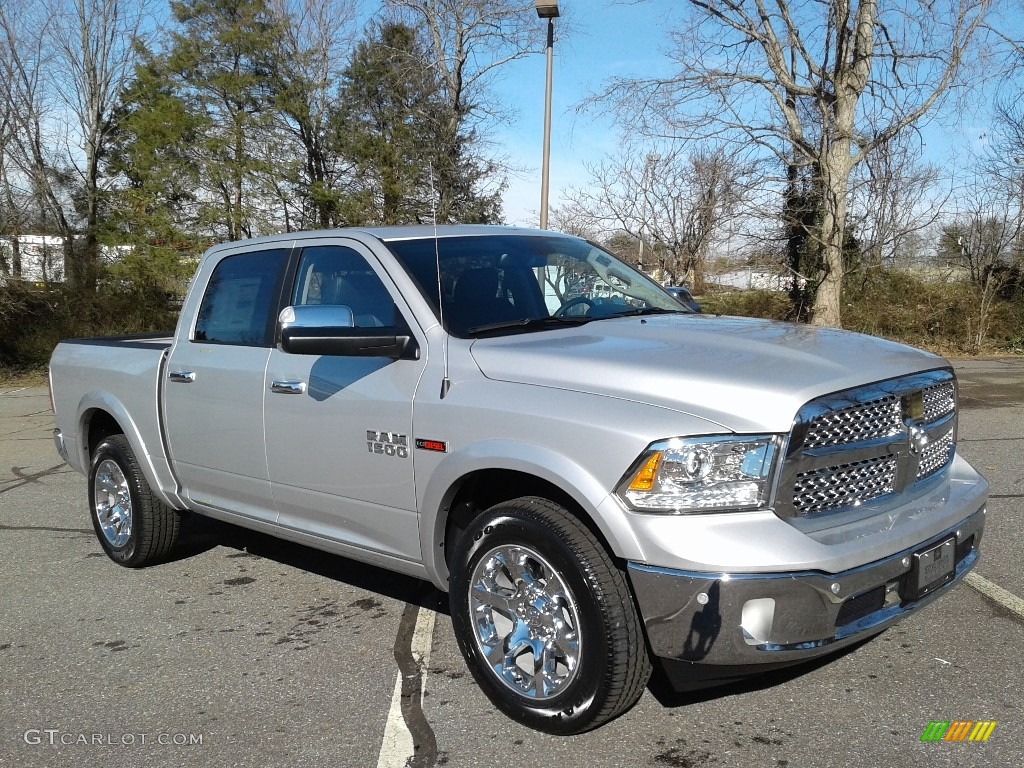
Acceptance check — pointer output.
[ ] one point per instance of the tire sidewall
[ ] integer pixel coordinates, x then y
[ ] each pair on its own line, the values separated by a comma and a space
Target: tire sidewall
113, 450
570, 710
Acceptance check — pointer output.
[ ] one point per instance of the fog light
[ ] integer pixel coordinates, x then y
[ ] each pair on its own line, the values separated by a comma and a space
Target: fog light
757, 619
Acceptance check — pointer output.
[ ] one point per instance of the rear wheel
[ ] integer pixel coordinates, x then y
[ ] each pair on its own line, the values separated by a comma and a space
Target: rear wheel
133, 526
544, 618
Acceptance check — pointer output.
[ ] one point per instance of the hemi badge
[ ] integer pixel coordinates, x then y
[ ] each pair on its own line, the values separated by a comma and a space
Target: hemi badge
432, 445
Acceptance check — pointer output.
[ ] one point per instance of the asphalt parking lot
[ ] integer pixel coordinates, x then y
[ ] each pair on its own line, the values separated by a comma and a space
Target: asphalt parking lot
245, 651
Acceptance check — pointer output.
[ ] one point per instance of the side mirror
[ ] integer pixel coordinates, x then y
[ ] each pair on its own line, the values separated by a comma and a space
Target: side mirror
321, 329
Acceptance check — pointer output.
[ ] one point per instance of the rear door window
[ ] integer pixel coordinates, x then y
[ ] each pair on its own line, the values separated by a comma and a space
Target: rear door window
241, 299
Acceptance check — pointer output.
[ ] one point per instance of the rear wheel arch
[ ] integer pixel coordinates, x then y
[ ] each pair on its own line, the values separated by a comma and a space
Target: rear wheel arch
103, 419
97, 426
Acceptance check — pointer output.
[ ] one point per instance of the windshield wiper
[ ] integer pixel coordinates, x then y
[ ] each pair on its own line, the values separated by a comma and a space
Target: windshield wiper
530, 323
650, 311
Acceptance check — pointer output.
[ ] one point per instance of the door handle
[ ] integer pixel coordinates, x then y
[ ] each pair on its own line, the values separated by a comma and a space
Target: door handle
182, 377
288, 387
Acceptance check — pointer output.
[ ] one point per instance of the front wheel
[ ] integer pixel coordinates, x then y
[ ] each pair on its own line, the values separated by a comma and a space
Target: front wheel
133, 526
545, 620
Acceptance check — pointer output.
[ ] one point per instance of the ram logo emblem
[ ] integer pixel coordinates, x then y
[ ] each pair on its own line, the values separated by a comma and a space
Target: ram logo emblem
387, 444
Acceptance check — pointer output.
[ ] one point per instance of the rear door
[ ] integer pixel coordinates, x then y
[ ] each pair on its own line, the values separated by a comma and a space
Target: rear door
339, 429
214, 393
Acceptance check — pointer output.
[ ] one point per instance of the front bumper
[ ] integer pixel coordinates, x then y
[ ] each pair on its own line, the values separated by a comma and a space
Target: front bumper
748, 620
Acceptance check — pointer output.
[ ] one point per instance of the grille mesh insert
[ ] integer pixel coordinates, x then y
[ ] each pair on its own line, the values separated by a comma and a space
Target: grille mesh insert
879, 418
936, 455
939, 400
844, 485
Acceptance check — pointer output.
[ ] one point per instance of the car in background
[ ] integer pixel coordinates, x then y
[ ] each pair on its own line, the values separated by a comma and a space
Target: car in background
683, 296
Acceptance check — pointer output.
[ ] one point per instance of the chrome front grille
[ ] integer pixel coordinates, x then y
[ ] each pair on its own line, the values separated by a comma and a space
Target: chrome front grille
858, 446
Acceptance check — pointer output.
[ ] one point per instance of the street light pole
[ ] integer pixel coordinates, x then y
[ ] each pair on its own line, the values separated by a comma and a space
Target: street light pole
1020, 216
649, 163
547, 10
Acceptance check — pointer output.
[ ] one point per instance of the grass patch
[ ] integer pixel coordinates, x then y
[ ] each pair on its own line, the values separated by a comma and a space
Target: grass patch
21, 377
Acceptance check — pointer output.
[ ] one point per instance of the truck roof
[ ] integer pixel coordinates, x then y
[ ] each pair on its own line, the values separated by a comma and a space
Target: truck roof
395, 233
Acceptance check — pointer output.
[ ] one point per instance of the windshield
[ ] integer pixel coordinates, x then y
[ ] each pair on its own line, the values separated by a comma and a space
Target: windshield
498, 284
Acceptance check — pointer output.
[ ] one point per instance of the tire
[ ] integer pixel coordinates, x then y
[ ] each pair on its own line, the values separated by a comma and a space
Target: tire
133, 526
544, 618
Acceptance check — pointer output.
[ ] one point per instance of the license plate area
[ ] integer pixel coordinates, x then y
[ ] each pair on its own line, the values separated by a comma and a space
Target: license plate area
931, 568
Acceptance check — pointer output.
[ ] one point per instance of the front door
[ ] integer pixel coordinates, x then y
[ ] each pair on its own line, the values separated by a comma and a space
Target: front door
339, 429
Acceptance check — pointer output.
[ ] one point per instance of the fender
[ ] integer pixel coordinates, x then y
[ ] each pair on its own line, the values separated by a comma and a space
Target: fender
593, 498
154, 464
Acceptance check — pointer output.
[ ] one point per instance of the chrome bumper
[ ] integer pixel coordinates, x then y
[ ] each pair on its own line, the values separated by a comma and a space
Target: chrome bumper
782, 618
58, 441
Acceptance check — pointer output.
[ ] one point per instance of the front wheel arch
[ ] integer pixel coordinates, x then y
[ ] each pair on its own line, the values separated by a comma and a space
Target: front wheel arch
479, 491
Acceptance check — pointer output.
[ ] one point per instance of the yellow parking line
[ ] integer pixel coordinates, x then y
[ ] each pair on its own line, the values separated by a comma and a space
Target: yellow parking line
997, 594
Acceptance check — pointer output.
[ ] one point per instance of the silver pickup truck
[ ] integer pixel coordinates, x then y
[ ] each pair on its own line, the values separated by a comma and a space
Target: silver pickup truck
598, 477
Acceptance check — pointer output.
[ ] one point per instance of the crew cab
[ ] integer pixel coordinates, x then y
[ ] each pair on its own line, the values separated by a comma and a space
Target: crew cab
600, 478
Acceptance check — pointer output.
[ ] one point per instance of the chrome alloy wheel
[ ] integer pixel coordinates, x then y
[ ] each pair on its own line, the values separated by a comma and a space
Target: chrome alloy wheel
112, 503
525, 621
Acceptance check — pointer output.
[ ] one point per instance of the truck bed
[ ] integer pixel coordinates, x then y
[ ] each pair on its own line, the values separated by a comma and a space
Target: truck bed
159, 341
119, 375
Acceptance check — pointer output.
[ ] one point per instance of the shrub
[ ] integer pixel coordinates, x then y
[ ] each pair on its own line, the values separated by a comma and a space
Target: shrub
767, 304
943, 317
34, 318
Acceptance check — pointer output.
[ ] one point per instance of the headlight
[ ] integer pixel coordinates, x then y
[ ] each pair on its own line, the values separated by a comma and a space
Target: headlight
701, 474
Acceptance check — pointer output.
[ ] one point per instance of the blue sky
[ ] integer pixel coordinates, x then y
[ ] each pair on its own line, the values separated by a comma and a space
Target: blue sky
599, 39
595, 40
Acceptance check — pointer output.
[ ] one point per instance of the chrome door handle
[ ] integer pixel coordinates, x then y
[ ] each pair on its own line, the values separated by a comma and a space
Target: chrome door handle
183, 377
288, 387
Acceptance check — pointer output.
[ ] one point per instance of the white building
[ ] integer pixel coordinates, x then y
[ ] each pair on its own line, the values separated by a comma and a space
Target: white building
42, 257
747, 279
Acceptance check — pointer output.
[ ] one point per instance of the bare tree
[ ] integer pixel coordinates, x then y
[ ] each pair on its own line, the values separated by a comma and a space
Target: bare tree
11, 213
572, 219
819, 84
978, 237
314, 40
978, 240
470, 40
93, 42
673, 203
28, 159
67, 63
894, 198
1005, 159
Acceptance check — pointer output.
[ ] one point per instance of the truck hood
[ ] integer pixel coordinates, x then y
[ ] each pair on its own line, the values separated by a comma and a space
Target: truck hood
744, 374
